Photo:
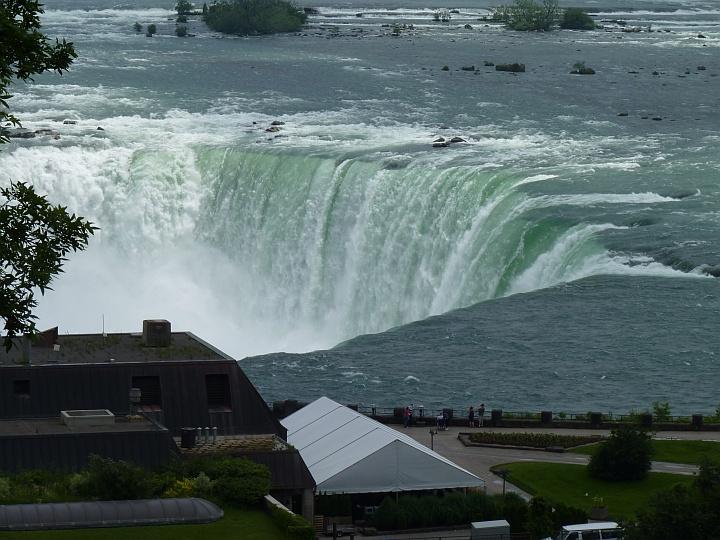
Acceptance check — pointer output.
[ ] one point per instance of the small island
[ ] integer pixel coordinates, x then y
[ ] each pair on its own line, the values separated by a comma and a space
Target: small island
249, 17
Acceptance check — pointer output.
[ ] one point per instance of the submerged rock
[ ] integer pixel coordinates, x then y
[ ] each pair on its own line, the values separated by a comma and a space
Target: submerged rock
45, 131
69, 122
439, 139
513, 68
273, 129
622, 114
20, 133
277, 123
468, 68
440, 145
457, 140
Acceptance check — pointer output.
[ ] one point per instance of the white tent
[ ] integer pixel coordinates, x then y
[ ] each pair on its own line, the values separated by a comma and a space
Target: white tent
347, 452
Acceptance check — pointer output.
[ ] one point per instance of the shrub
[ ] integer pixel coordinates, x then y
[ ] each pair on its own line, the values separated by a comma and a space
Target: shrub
110, 480
5, 488
296, 527
179, 489
254, 17
539, 521
529, 15
442, 15
181, 30
385, 518
579, 68
138, 27
625, 455
576, 19
514, 509
239, 481
151, 30
661, 411
202, 486
181, 19
534, 440
453, 508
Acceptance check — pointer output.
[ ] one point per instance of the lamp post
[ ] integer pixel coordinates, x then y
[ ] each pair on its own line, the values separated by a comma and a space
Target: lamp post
432, 439
502, 473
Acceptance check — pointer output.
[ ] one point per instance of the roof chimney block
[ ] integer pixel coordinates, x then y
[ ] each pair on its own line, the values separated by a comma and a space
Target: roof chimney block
156, 333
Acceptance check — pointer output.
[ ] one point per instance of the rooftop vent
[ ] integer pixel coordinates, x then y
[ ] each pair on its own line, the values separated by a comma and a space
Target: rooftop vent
87, 418
156, 333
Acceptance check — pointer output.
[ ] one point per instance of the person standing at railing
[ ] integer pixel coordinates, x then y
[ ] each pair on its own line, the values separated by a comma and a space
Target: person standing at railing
481, 414
471, 416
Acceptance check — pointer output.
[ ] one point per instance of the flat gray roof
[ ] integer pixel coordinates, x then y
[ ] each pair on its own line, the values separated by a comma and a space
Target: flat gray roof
54, 426
120, 348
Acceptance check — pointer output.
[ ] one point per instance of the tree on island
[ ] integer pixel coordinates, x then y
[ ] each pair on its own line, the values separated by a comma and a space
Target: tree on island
577, 19
181, 30
247, 17
138, 27
529, 15
151, 30
36, 235
183, 7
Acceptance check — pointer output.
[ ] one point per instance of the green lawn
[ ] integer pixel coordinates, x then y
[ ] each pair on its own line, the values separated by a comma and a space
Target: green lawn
571, 485
674, 451
245, 524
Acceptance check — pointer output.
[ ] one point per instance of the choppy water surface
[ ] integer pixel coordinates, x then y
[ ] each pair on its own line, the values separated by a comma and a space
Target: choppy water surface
348, 222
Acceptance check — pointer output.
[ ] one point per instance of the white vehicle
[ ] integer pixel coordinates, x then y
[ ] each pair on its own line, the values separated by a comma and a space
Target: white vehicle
606, 530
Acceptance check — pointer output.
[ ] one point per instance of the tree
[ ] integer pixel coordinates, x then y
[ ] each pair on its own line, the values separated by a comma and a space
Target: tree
527, 15
36, 238
151, 30
183, 7
138, 27
181, 30
624, 456
35, 235
576, 19
247, 17
687, 512
25, 51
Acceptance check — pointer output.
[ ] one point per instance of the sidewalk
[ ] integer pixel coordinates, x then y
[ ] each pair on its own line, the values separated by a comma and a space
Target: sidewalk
479, 460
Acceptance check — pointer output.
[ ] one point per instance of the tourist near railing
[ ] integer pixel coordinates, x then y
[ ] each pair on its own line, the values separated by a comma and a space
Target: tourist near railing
497, 417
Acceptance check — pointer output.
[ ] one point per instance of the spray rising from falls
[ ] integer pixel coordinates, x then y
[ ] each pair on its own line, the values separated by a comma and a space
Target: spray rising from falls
285, 250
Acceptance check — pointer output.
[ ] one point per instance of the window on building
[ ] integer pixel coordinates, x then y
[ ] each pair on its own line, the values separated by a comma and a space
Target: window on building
218, 391
150, 392
21, 388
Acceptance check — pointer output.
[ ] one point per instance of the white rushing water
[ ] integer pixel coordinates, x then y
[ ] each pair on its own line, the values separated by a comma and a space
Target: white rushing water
296, 246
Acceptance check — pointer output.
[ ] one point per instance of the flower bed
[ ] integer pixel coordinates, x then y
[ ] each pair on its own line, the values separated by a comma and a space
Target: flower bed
532, 440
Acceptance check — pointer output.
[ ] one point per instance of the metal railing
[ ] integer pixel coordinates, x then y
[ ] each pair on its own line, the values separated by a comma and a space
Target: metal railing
420, 412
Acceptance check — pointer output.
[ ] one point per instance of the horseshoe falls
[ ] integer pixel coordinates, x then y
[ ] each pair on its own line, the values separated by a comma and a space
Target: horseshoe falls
281, 197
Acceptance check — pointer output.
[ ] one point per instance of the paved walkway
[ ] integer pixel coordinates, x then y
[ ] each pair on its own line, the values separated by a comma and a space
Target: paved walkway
479, 460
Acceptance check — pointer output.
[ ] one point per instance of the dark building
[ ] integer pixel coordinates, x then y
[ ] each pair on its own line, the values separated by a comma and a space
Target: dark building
184, 381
